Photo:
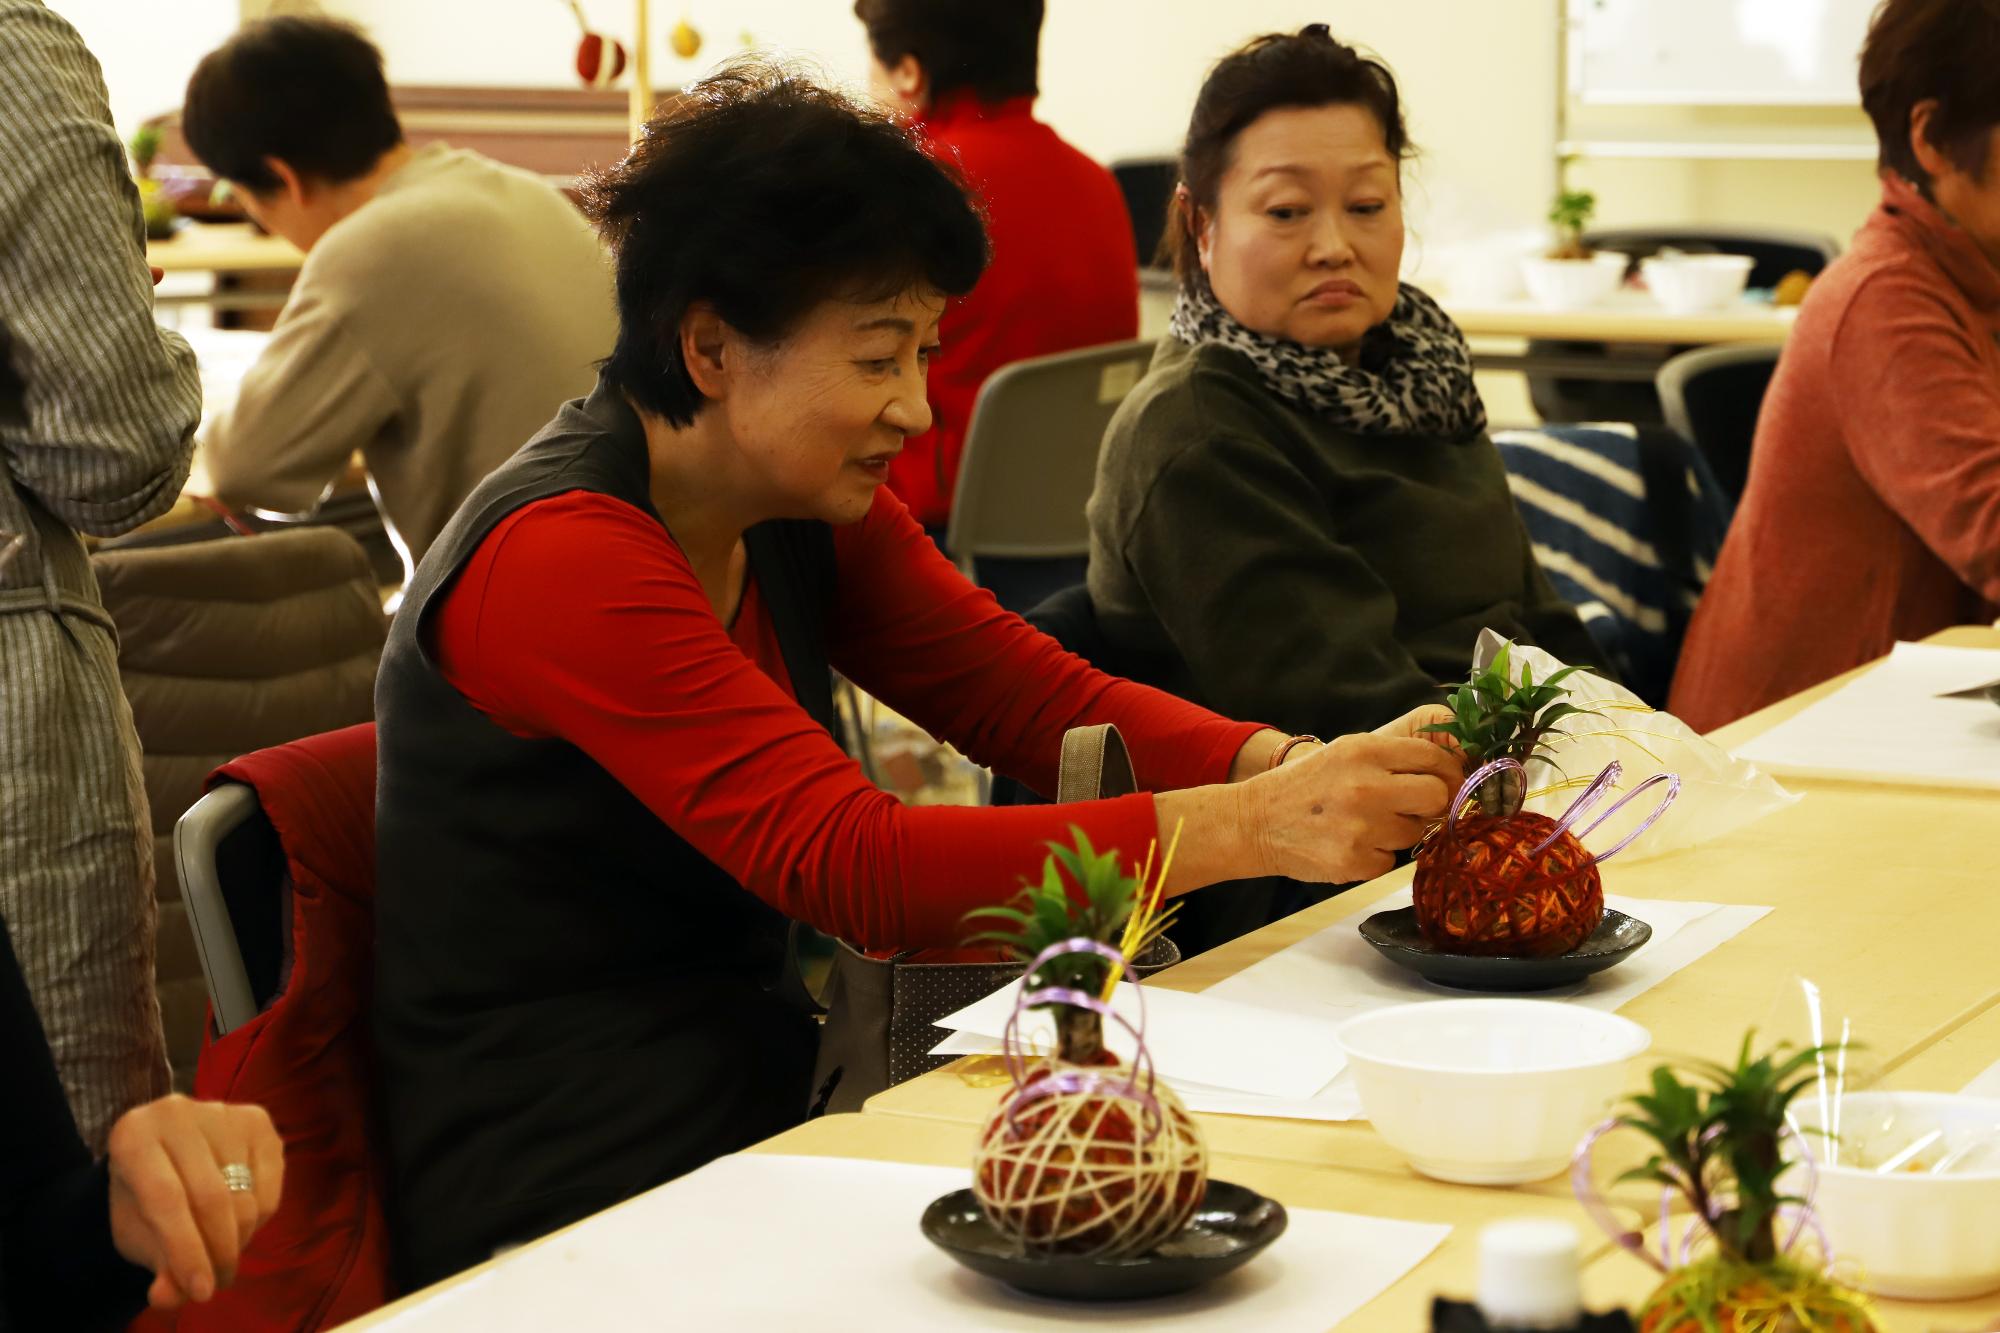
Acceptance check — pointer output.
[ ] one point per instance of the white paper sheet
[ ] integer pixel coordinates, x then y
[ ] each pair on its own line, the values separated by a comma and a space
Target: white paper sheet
1986, 1083
1335, 974
1889, 725
757, 1242
1219, 1041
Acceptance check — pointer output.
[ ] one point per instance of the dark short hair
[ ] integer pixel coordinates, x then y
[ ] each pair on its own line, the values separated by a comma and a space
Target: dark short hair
307, 91
1943, 49
1307, 69
988, 46
764, 194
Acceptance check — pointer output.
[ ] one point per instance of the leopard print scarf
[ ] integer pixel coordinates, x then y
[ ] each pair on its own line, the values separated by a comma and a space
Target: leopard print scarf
1414, 376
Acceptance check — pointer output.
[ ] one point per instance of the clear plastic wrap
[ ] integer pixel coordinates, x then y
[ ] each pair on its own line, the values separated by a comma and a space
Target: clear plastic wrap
1718, 794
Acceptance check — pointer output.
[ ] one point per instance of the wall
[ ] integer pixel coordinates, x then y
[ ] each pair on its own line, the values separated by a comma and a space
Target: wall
1119, 75
147, 48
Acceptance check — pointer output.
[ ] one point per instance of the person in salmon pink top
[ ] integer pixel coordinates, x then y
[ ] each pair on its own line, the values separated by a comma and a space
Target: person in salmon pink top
607, 779
1872, 512
1064, 273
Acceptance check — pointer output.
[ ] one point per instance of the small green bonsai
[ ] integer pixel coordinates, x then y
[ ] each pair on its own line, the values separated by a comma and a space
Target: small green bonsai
1716, 1133
1493, 718
1098, 908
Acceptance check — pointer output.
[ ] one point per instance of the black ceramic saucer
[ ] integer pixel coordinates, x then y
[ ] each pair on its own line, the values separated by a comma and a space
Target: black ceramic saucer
1396, 938
1232, 1225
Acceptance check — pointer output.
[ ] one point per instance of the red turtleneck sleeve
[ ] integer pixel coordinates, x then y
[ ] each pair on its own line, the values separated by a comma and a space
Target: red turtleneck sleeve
579, 618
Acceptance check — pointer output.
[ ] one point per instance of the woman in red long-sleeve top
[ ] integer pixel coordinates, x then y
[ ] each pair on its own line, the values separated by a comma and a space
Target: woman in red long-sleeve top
606, 778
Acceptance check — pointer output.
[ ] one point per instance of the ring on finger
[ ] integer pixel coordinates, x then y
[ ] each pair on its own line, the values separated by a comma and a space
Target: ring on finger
236, 1178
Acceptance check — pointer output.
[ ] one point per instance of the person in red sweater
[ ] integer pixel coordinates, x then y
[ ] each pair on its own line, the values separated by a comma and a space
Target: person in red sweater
1063, 274
606, 776
1872, 512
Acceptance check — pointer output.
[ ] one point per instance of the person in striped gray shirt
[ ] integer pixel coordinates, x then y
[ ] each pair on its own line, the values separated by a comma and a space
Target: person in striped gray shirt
97, 414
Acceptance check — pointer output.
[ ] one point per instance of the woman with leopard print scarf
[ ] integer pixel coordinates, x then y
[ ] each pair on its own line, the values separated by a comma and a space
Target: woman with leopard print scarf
1298, 515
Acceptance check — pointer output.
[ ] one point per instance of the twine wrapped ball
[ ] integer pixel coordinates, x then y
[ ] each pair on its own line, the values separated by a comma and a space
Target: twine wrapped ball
1479, 890
1085, 1165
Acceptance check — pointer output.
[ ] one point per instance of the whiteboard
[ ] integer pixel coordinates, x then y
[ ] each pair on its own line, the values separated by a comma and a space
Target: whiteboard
1716, 52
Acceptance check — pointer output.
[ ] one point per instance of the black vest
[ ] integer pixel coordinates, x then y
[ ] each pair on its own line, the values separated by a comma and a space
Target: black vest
572, 1004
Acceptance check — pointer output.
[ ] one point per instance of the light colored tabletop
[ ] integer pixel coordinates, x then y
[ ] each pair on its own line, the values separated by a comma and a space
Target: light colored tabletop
1861, 877
1452, 1269
1626, 316
1884, 900
223, 247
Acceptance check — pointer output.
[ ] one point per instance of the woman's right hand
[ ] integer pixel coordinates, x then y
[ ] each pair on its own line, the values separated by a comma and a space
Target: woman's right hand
1341, 813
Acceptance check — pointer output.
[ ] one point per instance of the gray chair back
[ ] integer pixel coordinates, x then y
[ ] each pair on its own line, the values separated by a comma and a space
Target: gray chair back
216, 828
1711, 397
1030, 456
224, 647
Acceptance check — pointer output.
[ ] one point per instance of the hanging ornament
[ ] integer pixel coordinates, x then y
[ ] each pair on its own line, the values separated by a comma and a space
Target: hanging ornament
599, 59
684, 40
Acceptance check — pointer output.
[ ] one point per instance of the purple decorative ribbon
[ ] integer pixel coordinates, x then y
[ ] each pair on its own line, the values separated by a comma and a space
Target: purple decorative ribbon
1059, 1080
1579, 807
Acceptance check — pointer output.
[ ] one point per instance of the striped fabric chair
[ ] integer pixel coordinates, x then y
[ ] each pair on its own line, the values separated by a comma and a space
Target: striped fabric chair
1627, 522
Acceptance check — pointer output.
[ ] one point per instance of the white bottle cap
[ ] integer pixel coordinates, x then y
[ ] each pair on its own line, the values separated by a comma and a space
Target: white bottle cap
1529, 1274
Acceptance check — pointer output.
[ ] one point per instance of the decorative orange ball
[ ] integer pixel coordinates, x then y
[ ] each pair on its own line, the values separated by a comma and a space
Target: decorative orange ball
1478, 891
1083, 1172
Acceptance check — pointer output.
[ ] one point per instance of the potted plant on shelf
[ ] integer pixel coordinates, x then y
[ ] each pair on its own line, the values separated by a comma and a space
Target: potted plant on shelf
1084, 1155
1571, 275
1716, 1135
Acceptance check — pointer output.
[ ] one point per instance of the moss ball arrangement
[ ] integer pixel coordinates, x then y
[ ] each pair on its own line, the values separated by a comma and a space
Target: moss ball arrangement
1716, 1134
1493, 879
1082, 1155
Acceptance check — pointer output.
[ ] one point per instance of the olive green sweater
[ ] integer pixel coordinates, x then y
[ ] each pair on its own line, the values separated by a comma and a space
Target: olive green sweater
1270, 566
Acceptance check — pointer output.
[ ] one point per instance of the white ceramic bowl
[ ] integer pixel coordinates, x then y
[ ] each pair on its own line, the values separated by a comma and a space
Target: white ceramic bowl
1489, 1092
1688, 284
1573, 284
1915, 1236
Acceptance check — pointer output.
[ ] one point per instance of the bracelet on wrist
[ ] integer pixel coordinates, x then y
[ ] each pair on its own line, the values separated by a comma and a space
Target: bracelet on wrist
1278, 755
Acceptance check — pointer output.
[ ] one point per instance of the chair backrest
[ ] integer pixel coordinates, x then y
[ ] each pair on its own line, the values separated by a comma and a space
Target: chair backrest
304, 922
1777, 251
1148, 184
1030, 455
225, 647
231, 869
1712, 397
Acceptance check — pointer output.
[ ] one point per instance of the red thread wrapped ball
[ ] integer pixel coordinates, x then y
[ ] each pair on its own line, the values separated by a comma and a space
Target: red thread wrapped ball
1478, 891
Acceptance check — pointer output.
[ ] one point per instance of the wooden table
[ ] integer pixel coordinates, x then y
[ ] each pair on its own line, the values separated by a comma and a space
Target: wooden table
223, 247
1860, 875
1644, 334
1627, 317
230, 251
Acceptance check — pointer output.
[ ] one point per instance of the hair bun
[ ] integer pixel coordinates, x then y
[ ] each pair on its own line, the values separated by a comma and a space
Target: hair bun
1318, 30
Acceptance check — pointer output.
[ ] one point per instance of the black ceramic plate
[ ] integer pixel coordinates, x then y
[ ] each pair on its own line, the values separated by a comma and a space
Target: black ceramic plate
1232, 1225
1395, 937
